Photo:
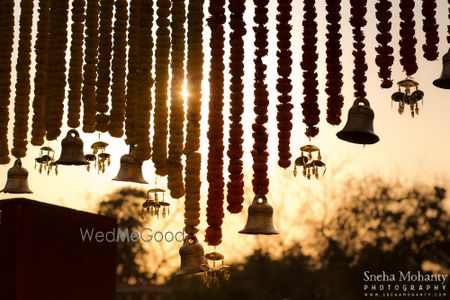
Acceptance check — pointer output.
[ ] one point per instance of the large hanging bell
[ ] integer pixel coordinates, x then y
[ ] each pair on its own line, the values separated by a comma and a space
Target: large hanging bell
130, 169
192, 256
359, 127
260, 217
72, 150
444, 81
17, 182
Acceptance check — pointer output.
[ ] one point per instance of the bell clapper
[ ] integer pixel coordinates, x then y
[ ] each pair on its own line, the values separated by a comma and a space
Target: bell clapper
308, 163
214, 273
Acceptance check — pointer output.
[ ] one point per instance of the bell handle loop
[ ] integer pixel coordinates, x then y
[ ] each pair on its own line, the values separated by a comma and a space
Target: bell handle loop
73, 133
190, 239
18, 163
262, 197
361, 100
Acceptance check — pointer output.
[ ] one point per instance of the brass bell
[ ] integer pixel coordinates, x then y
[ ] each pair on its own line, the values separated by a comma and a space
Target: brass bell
444, 81
72, 150
130, 169
192, 256
17, 182
260, 217
359, 127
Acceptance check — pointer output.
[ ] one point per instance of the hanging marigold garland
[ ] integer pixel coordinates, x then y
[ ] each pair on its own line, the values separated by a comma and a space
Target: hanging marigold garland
132, 76
214, 210
90, 66
104, 59
284, 85
235, 185
194, 72
357, 20
40, 78
260, 179
145, 81
384, 58
22, 87
118, 64
162, 53
6, 48
334, 83
56, 70
448, 26
407, 37
176, 137
310, 106
76, 64
430, 27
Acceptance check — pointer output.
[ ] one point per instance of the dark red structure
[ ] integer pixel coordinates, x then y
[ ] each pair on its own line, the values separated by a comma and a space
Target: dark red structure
43, 256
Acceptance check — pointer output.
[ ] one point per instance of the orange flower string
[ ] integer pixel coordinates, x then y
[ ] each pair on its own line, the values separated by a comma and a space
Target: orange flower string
76, 63
194, 73
384, 58
235, 185
214, 210
334, 84
144, 105
162, 54
56, 70
90, 65
118, 65
284, 85
176, 138
430, 27
40, 78
22, 100
311, 112
260, 179
6, 48
104, 59
132, 76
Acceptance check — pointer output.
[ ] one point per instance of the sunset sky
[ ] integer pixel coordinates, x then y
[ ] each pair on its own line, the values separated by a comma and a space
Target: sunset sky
410, 149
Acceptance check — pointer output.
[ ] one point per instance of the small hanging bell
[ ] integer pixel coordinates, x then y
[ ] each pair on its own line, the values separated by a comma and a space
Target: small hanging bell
260, 217
130, 169
309, 164
72, 150
17, 182
46, 160
443, 82
359, 126
192, 256
407, 97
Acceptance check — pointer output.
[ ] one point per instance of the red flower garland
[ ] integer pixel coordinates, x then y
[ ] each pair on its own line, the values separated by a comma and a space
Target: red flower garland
40, 77
311, 112
358, 11
214, 210
235, 185
407, 37
118, 64
384, 58
260, 180
284, 86
430, 27
22, 99
335, 99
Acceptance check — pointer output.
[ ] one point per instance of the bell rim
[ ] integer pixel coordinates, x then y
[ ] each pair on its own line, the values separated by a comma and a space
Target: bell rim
192, 271
129, 180
371, 138
255, 232
69, 163
440, 83
16, 192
